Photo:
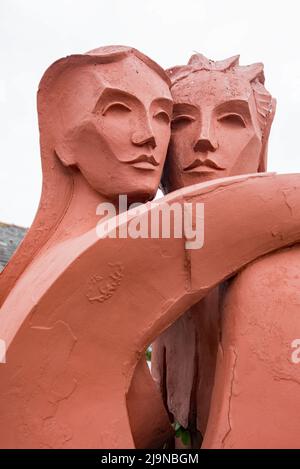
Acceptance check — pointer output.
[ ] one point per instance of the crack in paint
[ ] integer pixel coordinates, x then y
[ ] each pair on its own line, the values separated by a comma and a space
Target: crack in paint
285, 195
230, 399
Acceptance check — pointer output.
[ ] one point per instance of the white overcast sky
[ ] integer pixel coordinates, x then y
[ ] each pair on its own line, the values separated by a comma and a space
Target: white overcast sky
34, 33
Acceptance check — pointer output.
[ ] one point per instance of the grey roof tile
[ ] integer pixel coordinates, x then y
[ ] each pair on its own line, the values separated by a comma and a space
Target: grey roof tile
10, 238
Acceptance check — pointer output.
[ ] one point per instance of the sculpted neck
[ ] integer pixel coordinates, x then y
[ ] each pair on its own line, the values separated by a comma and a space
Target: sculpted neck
80, 215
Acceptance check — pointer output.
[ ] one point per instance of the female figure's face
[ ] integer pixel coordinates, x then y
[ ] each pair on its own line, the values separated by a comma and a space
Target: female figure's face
117, 118
215, 131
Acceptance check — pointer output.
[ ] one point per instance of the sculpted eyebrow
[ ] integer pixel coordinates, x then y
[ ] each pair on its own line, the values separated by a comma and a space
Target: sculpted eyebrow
234, 105
165, 103
110, 94
185, 108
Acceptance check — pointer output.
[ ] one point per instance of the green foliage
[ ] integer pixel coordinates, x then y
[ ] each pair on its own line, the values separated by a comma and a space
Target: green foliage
148, 354
182, 433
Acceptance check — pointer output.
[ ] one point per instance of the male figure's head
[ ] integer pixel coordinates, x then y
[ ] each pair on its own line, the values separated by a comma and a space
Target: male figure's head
221, 121
109, 112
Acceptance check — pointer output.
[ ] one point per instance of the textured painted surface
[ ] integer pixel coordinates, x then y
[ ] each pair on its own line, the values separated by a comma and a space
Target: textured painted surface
255, 401
57, 337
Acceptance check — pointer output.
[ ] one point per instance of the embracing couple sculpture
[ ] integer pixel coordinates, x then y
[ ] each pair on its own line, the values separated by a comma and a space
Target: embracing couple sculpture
113, 122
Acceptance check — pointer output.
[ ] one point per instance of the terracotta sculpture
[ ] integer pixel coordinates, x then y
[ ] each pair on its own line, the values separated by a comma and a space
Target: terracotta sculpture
221, 124
79, 310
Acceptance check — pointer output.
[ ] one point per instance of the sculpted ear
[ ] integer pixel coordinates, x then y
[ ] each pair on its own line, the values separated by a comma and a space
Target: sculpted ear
265, 139
64, 153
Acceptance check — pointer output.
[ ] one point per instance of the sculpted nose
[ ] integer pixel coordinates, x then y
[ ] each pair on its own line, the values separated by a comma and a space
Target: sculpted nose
207, 140
143, 135
204, 145
143, 138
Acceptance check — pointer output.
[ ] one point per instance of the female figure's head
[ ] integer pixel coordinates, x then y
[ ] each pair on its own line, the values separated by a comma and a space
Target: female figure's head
221, 121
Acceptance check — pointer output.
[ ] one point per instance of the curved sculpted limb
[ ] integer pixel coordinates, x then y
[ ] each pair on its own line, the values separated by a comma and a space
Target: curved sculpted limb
255, 401
70, 363
148, 418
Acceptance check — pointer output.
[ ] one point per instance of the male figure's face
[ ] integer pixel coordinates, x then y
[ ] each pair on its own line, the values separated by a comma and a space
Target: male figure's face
118, 127
215, 131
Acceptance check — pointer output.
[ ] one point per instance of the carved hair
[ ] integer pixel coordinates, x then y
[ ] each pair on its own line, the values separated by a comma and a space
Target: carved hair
253, 73
58, 184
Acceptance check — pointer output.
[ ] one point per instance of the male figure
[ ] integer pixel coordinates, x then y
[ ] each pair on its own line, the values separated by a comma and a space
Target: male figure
221, 122
104, 120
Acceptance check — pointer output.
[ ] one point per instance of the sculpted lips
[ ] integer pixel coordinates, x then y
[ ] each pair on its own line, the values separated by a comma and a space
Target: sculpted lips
143, 162
199, 166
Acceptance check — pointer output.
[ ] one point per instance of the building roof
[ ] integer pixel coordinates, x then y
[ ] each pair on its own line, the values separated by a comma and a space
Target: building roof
10, 237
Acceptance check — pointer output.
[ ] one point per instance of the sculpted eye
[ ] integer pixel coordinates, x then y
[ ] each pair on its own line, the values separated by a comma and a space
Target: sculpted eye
181, 120
233, 119
162, 116
116, 107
